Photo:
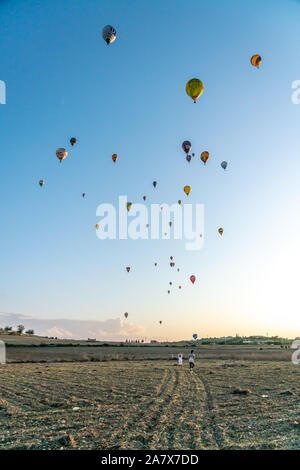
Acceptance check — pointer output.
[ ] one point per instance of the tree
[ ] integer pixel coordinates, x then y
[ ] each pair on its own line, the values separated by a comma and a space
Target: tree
8, 329
29, 332
20, 329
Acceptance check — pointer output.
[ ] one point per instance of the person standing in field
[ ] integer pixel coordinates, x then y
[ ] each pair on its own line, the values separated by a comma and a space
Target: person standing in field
180, 359
191, 360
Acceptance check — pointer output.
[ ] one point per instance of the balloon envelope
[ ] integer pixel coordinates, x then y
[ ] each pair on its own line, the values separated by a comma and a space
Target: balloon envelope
109, 34
186, 146
187, 190
256, 60
224, 165
194, 88
193, 279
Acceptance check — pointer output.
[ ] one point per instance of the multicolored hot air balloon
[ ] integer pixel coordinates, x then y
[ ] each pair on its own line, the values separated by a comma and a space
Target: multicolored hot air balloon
194, 88
172, 265
224, 165
41, 183
193, 279
221, 231
73, 141
61, 154
109, 34
186, 146
204, 157
129, 206
187, 190
188, 158
114, 157
256, 60
126, 315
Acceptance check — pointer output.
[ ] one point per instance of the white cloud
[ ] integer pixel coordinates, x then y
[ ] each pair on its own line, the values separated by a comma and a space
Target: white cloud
113, 329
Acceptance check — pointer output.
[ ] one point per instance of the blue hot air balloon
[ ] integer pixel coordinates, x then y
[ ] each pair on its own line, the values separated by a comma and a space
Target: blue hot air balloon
224, 165
195, 336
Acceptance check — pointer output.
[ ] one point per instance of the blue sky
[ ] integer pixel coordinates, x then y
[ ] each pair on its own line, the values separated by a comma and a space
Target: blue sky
129, 98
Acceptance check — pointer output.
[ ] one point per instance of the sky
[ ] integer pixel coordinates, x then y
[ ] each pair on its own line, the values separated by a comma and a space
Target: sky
129, 98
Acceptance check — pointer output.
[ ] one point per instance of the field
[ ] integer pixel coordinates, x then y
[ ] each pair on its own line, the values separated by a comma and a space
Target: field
150, 405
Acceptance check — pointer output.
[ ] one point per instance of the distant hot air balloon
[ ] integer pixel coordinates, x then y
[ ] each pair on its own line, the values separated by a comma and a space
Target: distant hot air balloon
171, 257
172, 265
144, 197
126, 315
194, 88
186, 146
195, 336
187, 190
170, 283
73, 141
129, 205
83, 194
179, 287
168, 292
128, 269
97, 226
179, 202
160, 322
224, 165
154, 184
256, 60
170, 223
61, 154
109, 34
221, 230
193, 279
204, 157
178, 269
155, 264
188, 158
114, 157
41, 183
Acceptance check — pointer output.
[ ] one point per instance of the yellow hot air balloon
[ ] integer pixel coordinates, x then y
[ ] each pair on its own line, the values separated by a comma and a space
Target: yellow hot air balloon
204, 157
187, 190
97, 226
256, 60
194, 88
221, 231
129, 205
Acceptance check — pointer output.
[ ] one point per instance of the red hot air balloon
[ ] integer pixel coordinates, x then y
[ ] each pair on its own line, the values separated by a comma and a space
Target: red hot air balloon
172, 265
192, 279
171, 257
126, 315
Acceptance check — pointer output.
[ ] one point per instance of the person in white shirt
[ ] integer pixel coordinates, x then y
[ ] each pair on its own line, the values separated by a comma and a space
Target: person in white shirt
180, 359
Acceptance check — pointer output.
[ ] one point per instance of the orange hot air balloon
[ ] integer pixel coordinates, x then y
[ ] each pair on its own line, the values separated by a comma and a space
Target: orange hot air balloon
187, 190
204, 157
193, 279
256, 60
128, 269
126, 315
114, 157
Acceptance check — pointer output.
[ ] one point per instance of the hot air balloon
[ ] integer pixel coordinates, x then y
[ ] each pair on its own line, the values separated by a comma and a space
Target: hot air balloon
160, 322
179, 287
155, 264
114, 157
186, 146
179, 202
128, 269
109, 34
170, 283
193, 279
221, 231
97, 226
170, 223
172, 265
204, 157
147, 225
61, 154
73, 141
129, 205
171, 257
154, 184
187, 190
224, 165
256, 60
83, 194
194, 88
178, 269
126, 315
144, 197
41, 183
195, 336
188, 158
168, 292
